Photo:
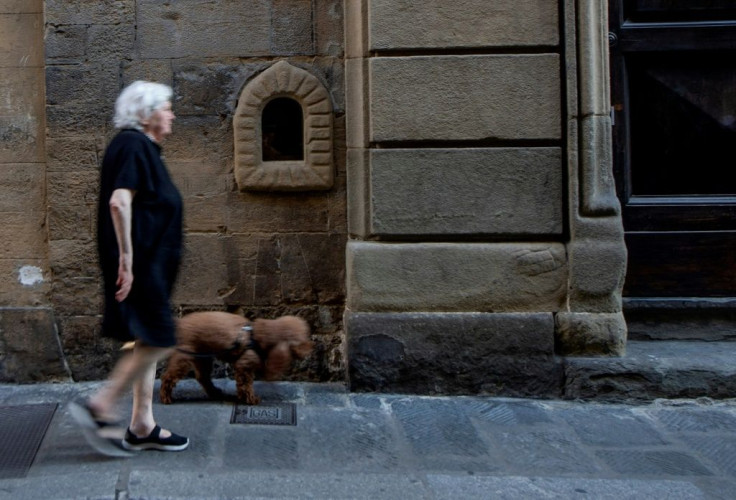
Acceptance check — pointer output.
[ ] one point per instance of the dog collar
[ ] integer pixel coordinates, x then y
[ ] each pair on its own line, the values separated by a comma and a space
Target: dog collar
252, 344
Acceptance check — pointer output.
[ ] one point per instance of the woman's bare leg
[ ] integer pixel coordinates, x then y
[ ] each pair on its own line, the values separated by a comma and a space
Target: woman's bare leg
129, 371
141, 420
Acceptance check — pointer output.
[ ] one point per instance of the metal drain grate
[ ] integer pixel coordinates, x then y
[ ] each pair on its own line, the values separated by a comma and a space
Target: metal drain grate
265, 414
22, 429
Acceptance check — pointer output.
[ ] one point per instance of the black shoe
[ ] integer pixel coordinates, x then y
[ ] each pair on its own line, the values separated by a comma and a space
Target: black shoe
154, 441
104, 437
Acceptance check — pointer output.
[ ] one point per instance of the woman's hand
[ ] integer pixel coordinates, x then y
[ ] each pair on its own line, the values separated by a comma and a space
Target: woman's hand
125, 277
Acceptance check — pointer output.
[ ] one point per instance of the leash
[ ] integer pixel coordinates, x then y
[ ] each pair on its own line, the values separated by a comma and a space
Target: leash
251, 346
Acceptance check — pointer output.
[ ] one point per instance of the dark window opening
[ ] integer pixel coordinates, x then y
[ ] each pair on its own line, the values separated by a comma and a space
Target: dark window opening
683, 124
282, 126
679, 10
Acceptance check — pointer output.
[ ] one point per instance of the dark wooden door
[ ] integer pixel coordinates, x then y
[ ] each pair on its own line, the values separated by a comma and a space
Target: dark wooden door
673, 86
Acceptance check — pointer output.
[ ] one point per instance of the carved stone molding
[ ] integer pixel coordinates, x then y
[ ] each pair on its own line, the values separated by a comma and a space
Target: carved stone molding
598, 192
316, 170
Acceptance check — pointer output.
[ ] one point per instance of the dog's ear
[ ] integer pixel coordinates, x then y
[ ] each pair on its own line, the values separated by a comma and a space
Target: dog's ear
302, 349
278, 361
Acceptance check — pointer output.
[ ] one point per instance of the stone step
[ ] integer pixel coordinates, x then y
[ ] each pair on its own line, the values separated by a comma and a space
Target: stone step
655, 369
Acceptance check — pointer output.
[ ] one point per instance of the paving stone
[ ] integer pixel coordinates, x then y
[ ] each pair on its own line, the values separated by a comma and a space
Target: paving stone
499, 488
437, 427
259, 447
368, 443
97, 485
326, 395
645, 463
506, 412
695, 419
366, 401
541, 451
251, 485
720, 450
612, 427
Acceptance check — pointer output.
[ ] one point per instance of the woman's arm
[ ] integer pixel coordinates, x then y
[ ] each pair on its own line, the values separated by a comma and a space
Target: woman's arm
121, 210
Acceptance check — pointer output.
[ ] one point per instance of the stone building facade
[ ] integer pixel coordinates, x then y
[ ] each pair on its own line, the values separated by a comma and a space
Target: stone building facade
448, 223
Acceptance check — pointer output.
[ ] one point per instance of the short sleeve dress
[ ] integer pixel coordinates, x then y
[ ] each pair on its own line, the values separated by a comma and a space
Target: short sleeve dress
133, 161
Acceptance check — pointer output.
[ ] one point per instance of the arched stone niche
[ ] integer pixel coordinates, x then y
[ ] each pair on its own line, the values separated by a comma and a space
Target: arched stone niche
315, 169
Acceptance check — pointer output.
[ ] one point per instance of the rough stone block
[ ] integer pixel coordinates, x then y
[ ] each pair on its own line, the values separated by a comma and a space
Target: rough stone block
23, 188
73, 154
500, 97
24, 282
198, 140
66, 42
204, 213
23, 235
312, 268
209, 89
282, 212
498, 354
79, 187
78, 296
21, 116
74, 259
90, 11
75, 120
98, 95
590, 334
153, 70
328, 27
111, 42
466, 191
29, 346
291, 27
406, 24
207, 274
184, 28
81, 341
652, 370
486, 277
21, 44
71, 222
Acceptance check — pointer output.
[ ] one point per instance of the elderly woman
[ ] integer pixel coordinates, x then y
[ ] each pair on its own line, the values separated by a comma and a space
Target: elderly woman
139, 242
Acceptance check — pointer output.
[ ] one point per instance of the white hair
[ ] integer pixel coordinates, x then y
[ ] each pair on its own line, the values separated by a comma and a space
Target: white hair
138, 101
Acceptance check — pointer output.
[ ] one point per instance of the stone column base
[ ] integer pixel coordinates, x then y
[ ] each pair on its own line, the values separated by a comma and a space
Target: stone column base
504, 354
590, 334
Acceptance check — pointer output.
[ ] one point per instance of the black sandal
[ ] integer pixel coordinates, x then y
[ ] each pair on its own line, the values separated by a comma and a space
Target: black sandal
154, 441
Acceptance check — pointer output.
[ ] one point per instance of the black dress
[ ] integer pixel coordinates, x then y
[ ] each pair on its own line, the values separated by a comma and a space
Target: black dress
133, 161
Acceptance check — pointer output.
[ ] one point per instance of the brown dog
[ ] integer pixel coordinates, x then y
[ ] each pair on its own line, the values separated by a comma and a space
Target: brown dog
266, 345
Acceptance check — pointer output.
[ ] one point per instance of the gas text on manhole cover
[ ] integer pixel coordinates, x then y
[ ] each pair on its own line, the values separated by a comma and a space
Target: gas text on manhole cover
265, 414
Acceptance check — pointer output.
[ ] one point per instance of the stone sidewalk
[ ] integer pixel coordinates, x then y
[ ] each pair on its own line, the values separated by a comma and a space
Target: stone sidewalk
369, 446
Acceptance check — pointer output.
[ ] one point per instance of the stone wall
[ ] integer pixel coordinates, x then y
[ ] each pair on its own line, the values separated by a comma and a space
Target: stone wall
485, 233
465, 229
259, 253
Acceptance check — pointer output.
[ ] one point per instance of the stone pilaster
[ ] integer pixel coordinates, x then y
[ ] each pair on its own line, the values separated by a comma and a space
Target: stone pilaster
480, 183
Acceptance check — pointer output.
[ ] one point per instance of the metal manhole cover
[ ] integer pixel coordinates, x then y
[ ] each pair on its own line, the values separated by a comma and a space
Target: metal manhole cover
22, 428
265, 414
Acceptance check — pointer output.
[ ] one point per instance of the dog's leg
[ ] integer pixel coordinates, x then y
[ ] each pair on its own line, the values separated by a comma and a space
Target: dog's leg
244, 383
177, 368
203, 374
